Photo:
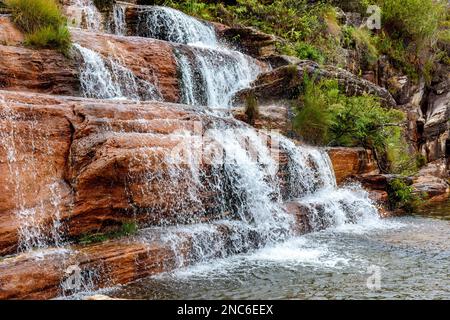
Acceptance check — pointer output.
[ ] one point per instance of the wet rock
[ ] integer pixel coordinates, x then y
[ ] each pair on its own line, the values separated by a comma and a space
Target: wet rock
149, 59
51, 273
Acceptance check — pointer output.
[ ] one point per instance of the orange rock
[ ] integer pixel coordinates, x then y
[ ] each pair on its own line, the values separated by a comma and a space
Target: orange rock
348, 162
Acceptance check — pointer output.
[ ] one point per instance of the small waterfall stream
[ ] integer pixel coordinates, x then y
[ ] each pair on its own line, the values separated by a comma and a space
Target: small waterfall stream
39, 228
108, 79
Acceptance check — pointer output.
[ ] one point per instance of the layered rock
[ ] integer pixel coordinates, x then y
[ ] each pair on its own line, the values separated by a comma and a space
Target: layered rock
284, 82
149, 59
55, 272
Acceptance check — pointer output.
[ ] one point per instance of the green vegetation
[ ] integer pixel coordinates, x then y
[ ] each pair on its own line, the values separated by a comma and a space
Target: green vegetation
401, 196
251, 109
127, 229
42, 22
410, 29
325, 116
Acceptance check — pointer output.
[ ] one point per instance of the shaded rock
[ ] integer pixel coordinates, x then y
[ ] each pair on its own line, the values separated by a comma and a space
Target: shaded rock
276, 61
348, 162
283, 83
249, 40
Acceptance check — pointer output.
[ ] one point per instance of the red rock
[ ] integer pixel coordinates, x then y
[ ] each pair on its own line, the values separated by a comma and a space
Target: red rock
348, 162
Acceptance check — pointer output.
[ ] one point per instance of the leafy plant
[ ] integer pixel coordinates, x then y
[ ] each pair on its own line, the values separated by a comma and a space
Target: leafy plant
251, 109
42, 22
401, 196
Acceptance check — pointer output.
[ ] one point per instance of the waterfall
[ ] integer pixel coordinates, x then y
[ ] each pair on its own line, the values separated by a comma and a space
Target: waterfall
243, 172
172, 25
218, 75
33, 219
119, 23
86, 14
210, 73
107, 79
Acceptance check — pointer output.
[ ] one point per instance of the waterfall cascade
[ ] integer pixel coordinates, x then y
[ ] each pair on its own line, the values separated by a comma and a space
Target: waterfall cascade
210, 72
86, 14
239, 167
109, 79
37, 229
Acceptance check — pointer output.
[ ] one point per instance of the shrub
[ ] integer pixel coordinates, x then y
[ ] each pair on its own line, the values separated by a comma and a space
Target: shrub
401, 196
326, 116
42, 22
251, 109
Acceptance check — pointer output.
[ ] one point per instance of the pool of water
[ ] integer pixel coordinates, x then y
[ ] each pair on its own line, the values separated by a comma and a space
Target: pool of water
399, 258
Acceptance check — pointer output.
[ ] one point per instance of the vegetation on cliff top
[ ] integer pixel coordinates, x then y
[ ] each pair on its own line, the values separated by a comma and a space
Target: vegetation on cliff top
314, 31
42, 22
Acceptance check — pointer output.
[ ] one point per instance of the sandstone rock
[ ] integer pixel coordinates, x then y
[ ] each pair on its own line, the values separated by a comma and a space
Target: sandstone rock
249, 40
54, 272
9, 34
432, 179
348, 162
149, 59
45, 71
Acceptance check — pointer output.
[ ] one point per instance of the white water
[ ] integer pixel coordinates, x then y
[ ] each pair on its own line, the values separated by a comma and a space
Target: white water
172, 25
85, 15
107, 79
211, 77
119, 23
32, 217
210, 73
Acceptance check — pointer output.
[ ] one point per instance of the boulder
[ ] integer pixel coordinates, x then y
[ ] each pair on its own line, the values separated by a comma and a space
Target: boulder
349, 162
284, 82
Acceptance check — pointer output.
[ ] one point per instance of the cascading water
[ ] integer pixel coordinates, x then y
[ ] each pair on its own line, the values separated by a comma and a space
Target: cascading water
119, 23
108, 79
33, 219
86, 14
211, 77
210, 73
172, 25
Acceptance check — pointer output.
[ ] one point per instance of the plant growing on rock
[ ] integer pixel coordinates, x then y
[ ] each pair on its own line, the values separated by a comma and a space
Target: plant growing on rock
401, 196
251, 109
42, 22
326, 116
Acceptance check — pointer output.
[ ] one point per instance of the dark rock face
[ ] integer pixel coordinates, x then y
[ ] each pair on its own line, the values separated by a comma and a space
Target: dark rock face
249, 40
283, 83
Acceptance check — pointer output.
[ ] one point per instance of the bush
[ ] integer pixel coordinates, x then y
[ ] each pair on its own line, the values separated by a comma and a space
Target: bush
401, 196
42, 22
326, 116
251, 109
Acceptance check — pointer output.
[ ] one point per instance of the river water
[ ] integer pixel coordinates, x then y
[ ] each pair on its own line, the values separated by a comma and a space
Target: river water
410, 256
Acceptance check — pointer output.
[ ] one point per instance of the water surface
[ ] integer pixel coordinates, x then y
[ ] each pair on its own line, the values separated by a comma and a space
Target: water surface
412, 255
